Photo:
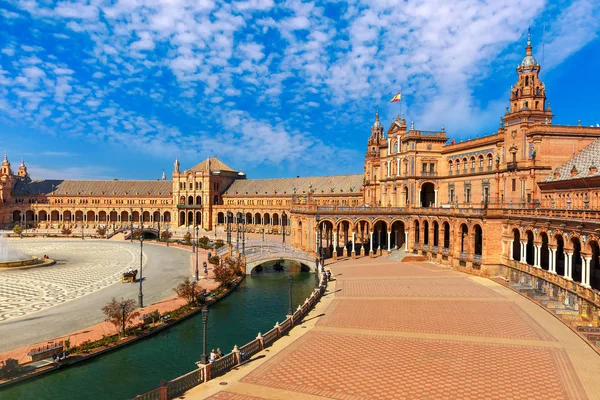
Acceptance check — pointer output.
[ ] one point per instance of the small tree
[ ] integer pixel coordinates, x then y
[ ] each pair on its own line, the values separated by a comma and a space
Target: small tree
225, 272
65, 230
219, 243
10, 369
136, 234
165, 235
189, 291
187, 238
101, 231
17, 229
203, 242
116, 312
214, 260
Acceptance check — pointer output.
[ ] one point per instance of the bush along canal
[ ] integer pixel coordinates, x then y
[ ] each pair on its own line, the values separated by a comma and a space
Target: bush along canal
255, 306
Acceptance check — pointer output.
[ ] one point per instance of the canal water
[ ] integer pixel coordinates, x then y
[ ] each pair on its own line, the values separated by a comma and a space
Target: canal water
258, 302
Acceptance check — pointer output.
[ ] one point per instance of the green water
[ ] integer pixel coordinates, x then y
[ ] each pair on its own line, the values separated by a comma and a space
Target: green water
254, 306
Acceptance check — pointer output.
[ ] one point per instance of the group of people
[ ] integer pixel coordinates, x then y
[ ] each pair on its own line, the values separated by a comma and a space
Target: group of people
215, 355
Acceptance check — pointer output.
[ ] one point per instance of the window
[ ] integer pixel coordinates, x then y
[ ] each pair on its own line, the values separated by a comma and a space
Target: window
457, 165
424, 167
514, 185
190, 185
489, 160
451, 195
468, 195
481, 162
432, 167
526, 81
486, 194
450, 164
473, 162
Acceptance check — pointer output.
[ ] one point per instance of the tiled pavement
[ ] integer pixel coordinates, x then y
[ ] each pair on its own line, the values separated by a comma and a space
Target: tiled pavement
403, 333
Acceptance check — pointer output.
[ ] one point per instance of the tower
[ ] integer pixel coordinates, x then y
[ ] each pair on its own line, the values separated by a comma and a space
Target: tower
375, 144
528, 95
6, 181
22, 170
176, 166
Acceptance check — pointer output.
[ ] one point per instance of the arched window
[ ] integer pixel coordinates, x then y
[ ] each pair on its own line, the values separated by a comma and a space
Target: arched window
465, 161
450, 164
490, 160
457, 165
472, 162
190, 200
481, 162
216, 199
537, 91
526, 81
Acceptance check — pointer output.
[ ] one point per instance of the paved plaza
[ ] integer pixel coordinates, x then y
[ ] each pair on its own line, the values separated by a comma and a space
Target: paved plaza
38, 304
391, 330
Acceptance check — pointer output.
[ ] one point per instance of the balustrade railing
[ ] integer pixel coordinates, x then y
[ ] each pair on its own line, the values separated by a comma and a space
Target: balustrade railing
180, 385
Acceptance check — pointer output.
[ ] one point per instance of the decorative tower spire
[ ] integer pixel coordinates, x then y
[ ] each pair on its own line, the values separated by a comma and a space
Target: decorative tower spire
528, 47
164, 176
22, 169
176, 165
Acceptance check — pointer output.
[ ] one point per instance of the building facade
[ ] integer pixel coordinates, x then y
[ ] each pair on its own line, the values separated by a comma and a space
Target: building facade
525, 196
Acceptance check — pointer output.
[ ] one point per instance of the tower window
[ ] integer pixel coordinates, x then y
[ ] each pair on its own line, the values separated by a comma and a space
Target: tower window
514, 185
526, 81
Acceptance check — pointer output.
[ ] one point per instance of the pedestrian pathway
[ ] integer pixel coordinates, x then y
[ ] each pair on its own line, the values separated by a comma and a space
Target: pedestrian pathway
392, 330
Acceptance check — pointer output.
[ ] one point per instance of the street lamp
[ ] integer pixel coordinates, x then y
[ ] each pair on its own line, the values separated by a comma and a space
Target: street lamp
123, 316
167, 234
141, 294
131, 225
290, 282
244, 235
197, 253
283, 224
204, 357
159, 224
229, 220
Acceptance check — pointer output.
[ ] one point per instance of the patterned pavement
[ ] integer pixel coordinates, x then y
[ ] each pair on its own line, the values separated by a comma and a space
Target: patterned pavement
82, 267
418, 331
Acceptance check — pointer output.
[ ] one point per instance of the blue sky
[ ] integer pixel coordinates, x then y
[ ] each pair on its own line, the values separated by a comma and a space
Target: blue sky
118, 89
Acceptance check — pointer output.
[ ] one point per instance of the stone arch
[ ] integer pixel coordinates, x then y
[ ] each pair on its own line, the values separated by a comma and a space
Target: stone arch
559, 241
16, 216
425, 232
398, 233
102, 216
198, 200
190, 218
42, 215
428, 194
135, 216
380, 237
54, 215
220, 218
464, 234
248, 217
478, 240
276, 220
530, 247
516, 250
576, 260
257, 219
182, 200
446, 226
78, 216
300, 235
544, 252
594, 267
167, 216
190, 200
113, 216
435, 226
267, 219
417, 229
125, 216
481, 162
182, 218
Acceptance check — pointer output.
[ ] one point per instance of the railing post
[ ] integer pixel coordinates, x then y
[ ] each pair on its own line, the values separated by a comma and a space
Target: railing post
261, 341
278, 329
163, 390
207, 372
236, 355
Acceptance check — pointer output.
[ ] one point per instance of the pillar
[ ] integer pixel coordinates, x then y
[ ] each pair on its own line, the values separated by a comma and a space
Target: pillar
511, 249
568, 266
371, 243
552, 261
389, 240
524, 252
587, 263
405, 240
435, 198
335, 242
536, 259
353, 244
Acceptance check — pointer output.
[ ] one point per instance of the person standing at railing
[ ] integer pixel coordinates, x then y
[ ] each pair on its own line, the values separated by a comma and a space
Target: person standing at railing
213, 356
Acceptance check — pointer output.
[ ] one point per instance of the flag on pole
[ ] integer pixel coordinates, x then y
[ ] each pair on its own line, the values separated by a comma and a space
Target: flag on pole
396, 98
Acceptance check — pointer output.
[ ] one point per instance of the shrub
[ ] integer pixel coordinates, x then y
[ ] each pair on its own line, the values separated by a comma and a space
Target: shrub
219, 243
187, 238
165, 235
189, 291
10, 369
214, 260
17, 229
204, 242
65, 230
101, 231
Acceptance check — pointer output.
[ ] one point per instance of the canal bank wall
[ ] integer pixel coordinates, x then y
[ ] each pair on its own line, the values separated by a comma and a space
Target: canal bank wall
121, 343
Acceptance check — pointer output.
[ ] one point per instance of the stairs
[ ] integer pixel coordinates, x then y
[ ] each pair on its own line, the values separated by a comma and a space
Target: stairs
118, 236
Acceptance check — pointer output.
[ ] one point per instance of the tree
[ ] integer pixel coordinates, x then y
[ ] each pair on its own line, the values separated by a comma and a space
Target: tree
116, 313
136, 234
17, 229
65, 230
226, 271
101, 231
165, 235
214, 260
203, 242
219, 243
10, 369
189, 291
187, 238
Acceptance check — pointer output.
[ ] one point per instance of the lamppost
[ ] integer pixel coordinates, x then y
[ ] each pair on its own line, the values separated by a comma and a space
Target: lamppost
131, 224
197, 253
159, 224
204, 357
290, 282
237, 233
167, 234
141, 294
123, 316
229, 220
283, 224
244, 236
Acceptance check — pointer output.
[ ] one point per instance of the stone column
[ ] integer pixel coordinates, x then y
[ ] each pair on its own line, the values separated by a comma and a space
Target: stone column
552, 261
371, 243
405, 240
335, 244
389, 240
586, 273
353, 244
398, 168
524, 252
568, 266
435, 204
536, 262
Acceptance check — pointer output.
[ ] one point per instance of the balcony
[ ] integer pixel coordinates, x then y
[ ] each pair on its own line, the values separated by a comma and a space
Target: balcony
511, 166
181, 206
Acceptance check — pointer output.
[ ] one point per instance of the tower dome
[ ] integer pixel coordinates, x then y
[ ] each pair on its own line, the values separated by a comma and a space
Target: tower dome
529, 61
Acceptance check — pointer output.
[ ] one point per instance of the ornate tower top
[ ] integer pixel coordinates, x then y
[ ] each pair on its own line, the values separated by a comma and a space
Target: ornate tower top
528, 95
176, 165
164, 176
22, 169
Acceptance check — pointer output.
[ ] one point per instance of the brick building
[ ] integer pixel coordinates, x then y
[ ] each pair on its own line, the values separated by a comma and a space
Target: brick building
526, 195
